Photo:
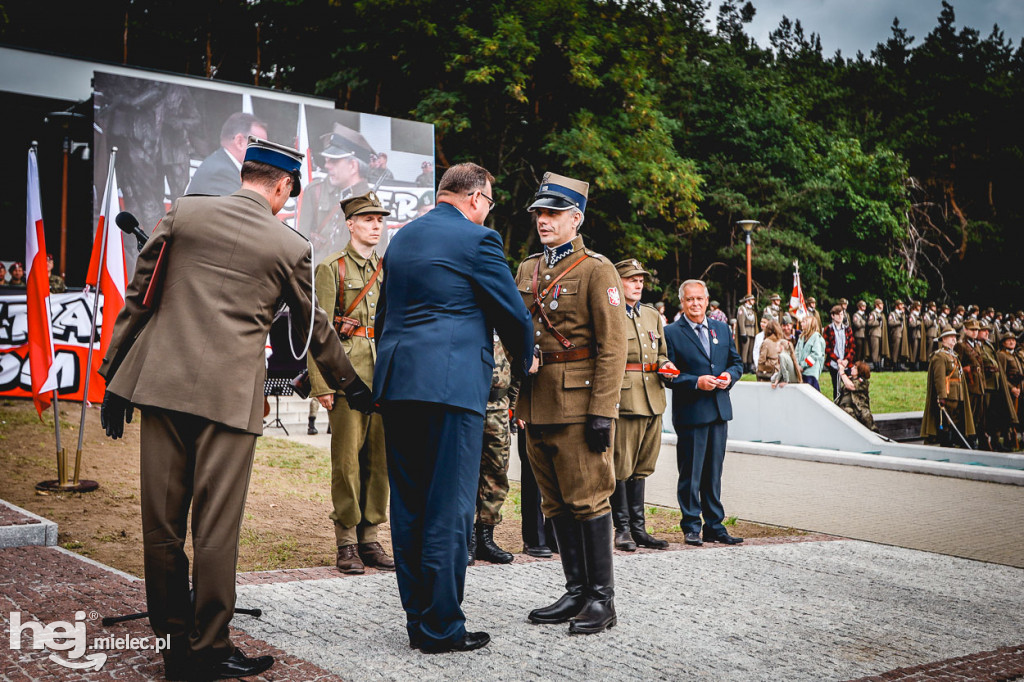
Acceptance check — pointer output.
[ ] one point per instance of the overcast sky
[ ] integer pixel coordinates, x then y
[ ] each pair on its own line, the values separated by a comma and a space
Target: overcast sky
851, 25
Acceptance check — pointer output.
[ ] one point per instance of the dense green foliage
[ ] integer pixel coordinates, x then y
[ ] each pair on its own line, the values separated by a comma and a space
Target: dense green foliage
891, 175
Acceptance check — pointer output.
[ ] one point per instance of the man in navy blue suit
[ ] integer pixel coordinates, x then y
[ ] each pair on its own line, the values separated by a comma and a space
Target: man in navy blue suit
446, 286
703, 351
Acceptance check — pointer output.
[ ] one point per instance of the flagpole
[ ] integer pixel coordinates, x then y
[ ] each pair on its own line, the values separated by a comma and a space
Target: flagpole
95, 305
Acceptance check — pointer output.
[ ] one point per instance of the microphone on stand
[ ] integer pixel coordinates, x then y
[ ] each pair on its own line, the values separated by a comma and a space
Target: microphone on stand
129, 224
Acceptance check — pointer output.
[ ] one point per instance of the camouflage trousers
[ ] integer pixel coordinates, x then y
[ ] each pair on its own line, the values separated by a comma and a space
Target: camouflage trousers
493, 486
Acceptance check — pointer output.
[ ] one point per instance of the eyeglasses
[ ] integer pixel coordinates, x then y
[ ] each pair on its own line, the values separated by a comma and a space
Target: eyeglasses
490, 202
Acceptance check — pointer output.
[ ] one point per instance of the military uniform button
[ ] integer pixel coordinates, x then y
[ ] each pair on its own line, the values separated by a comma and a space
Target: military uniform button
538, 332
547, 276
587, 382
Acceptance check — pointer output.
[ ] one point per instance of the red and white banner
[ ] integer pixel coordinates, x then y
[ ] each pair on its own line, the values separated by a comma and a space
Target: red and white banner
112, 277
70, 319
40, 332
796, 299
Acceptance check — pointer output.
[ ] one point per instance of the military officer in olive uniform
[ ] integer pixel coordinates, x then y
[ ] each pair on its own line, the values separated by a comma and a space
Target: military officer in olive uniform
346, 156
878, 336
957, 322
493, 486
774, 307
969, 353
899, 349
359, 474
859, 323
947, 396
193, 359
931, 325
571, 404
998, 399
1013, 369
746, 330
641, 404
915, 333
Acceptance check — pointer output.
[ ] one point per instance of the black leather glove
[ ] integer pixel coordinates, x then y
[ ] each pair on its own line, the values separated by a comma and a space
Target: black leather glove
359, 396
598, 433
114, 412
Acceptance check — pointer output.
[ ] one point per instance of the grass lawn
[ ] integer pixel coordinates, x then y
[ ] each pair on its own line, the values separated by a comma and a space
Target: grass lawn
890, 391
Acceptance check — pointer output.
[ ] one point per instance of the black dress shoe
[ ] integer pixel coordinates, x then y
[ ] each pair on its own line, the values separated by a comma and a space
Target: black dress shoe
472, 640
235, 665
540, 551
723, 538
694, 539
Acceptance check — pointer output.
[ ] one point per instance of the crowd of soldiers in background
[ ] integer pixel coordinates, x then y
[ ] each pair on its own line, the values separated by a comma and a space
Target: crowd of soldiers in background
974, 396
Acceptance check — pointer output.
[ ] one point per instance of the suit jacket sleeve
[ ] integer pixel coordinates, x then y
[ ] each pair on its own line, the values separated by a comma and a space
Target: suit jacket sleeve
325, 347
610, 334
133, 316
503, 304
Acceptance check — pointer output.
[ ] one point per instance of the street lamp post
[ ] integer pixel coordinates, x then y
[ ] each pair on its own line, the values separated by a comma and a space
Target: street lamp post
748, 228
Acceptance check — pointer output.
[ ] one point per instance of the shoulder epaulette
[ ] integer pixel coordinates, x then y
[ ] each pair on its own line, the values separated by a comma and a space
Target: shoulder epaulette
533, 255
595, 254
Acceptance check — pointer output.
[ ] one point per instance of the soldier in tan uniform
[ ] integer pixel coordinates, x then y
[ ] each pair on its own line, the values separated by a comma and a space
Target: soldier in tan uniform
746, 330
899, 349
998, 400
641, 404
571, 404
859, 323
774, 307
915, 333
359, 473
931, 325
1013, 369
969, 354
947, 396
346, 156
878, 336
188, 347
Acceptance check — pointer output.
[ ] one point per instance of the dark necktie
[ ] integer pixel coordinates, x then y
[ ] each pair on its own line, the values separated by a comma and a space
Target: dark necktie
703, 334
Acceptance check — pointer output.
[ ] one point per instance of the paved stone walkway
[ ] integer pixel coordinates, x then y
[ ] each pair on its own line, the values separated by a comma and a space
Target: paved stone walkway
797, 611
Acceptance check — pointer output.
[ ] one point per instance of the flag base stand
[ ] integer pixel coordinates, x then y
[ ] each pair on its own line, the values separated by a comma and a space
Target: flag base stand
55, 486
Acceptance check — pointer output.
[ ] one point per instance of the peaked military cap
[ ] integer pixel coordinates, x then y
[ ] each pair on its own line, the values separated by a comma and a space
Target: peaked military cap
364, 204
774, 297
278, 156
560, 193
1007, 336
343, 142
748, 297
630, 267
972, 324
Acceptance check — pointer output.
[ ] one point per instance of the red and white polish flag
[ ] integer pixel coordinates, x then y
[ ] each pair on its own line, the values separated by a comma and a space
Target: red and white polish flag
113, 276
40, 331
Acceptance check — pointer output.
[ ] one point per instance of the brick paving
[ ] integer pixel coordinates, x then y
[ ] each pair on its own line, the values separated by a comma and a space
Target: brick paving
46, 585
9, 517
1005, 663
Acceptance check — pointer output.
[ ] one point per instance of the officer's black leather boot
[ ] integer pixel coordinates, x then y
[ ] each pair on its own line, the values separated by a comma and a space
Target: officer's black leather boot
311, 431
620, 516
570, 550
471, 546
598, 614
637, 521
486, 549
